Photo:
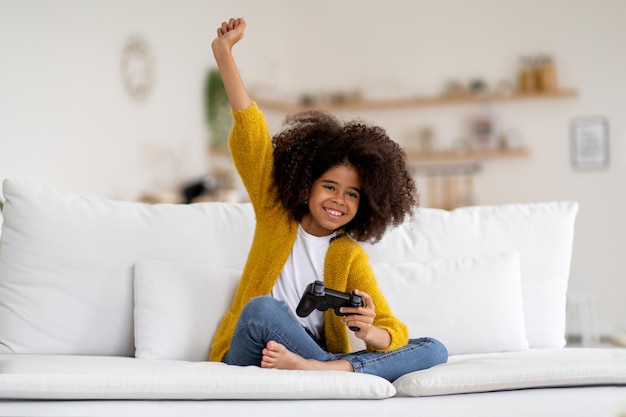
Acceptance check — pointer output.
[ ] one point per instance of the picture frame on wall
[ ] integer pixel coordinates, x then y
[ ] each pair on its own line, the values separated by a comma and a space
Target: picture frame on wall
590, 143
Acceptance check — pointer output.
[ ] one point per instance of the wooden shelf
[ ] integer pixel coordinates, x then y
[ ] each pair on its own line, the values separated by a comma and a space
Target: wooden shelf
408, 102
451, 156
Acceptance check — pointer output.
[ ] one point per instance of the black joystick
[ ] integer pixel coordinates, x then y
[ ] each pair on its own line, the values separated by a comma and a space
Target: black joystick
316, 296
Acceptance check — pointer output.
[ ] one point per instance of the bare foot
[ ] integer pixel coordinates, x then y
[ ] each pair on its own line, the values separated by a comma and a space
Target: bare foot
278, 356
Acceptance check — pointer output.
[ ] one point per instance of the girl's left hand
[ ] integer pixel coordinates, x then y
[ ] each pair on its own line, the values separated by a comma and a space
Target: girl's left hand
361, 317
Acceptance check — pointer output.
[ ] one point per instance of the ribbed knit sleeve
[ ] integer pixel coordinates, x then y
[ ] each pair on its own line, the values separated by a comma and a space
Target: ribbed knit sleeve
251, 149
275, 232
347, 268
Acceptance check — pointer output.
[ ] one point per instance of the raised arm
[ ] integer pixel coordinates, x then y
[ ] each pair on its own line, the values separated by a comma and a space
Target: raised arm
228, 34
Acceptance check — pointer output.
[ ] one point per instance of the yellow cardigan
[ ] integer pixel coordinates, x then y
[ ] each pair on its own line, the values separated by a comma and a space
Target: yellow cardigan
346, 266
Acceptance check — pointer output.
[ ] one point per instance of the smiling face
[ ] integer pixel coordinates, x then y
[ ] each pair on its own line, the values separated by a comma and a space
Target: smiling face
333, 200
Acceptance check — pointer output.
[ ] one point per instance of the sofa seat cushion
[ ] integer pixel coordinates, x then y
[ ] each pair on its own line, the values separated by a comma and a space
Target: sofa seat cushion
535, 368
101, 377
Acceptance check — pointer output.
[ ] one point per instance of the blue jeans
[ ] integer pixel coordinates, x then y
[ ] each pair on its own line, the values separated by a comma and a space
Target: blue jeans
265, 318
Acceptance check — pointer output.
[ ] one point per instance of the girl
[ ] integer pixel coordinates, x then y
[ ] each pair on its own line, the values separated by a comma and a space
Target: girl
317, 188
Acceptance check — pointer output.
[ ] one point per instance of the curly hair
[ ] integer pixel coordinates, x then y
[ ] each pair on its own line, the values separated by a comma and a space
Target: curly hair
313, 141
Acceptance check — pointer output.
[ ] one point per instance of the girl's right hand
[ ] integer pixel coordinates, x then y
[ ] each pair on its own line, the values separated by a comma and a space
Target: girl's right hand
229, 33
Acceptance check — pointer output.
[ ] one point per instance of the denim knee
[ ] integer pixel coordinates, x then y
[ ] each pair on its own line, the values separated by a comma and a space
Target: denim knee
259, 307
439, 353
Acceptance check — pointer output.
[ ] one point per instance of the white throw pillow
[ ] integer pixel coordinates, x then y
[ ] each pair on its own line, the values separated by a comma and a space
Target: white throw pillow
471, 304
542, 233
66, 263
178, 308
534, 368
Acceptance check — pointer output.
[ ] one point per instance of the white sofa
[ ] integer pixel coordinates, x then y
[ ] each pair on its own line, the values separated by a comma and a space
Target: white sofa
108, 308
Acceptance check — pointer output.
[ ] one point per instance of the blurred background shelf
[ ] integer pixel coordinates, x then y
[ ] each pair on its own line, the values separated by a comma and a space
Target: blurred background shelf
463, 156
408, 102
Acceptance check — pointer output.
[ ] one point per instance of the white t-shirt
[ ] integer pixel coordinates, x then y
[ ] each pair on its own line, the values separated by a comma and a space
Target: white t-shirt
305, 265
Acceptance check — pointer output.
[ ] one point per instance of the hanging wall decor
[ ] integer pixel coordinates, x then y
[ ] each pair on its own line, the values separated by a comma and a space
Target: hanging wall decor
590, 143
138, 68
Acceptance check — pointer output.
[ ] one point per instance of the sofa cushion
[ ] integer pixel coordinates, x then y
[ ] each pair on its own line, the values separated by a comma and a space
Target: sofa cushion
472, 304
542, 233
535, 368
66, 263
178, 307
66, 260
88, 377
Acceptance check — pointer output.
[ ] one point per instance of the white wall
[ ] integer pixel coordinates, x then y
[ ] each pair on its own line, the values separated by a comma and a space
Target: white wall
65, 119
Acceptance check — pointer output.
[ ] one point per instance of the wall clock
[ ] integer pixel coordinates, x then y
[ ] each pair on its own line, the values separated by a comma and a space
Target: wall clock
137, 68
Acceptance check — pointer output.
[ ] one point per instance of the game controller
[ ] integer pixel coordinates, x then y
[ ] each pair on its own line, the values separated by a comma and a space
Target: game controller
316, 296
